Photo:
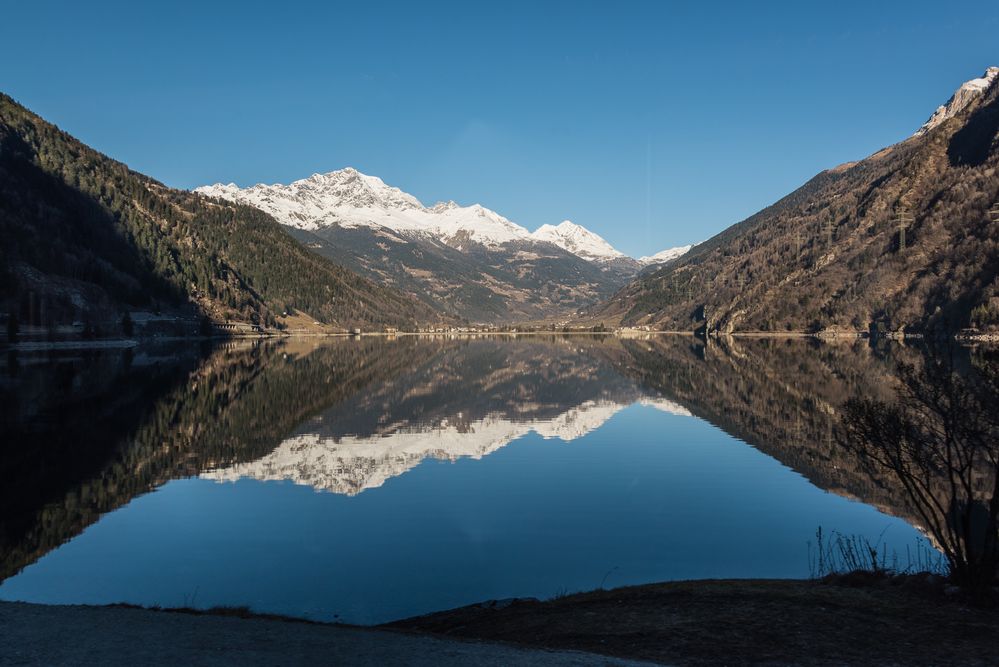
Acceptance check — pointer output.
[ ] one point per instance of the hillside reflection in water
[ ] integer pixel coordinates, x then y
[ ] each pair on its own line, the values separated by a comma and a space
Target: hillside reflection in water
373, 479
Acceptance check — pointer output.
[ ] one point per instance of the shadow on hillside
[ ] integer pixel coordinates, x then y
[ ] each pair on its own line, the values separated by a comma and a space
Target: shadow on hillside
970, 146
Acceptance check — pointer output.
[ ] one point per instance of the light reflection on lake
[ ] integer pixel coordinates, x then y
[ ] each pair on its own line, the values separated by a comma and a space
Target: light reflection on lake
371, 480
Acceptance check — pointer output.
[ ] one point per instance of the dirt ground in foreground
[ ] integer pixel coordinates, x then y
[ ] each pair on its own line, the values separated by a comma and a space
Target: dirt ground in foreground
896, 621
53, 636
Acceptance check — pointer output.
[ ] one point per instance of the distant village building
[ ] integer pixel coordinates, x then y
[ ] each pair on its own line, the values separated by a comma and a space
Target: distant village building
238, 327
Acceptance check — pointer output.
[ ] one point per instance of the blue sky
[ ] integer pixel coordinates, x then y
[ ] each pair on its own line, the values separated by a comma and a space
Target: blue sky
654, 124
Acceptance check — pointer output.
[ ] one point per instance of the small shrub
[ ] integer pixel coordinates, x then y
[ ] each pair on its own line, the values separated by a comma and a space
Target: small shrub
840, 554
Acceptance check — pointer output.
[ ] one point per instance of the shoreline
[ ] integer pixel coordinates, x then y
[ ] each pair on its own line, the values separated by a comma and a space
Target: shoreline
851, 619
104, 635
126, 343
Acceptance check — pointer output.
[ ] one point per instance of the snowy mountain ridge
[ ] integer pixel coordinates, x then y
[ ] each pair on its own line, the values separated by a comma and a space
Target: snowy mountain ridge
349, 199
665, 255
578, 240
963, 96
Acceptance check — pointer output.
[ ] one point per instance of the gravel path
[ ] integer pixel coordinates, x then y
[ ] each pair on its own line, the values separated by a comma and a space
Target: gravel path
76, 635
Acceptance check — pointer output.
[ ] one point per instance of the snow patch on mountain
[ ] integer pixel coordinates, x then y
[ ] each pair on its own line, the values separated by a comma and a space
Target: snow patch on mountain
665, 255
578, 240
351, 199
968, 91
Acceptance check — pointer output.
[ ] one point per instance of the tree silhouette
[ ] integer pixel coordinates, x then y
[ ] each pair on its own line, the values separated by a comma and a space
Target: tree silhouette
940, 440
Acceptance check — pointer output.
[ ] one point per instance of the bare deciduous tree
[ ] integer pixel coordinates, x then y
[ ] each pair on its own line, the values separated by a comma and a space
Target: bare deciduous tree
940, 440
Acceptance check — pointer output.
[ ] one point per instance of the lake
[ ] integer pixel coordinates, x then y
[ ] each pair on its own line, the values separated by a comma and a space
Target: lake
366, 480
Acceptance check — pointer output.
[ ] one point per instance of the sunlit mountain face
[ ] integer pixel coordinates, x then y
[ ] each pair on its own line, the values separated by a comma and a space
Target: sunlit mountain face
467, 261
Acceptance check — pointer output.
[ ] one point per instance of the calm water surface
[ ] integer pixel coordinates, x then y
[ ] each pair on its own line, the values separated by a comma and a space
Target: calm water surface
370, 480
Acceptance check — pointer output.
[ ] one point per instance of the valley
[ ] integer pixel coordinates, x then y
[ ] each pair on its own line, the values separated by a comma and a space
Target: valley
499, 333
467, 261
902, 242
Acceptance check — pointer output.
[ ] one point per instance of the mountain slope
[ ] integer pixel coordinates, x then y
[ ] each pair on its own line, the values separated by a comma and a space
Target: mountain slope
467, 261
514, 283
86, 238
901, 240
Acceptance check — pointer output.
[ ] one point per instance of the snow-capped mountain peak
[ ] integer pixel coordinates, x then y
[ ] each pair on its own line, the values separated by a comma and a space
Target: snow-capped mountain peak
665, 255
351, 188
968, 91
578, 240
442, 206
348, 198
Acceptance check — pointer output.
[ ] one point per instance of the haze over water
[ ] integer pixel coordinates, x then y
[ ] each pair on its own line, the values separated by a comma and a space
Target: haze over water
369, 480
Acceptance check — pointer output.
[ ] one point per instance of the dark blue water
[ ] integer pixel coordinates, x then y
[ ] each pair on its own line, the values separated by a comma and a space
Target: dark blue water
529, 492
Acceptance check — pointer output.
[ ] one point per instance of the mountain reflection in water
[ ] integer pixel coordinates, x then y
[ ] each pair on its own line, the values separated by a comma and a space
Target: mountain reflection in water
349, 464
87, 433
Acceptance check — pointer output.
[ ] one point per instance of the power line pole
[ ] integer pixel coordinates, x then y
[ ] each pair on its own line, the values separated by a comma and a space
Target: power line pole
904, 219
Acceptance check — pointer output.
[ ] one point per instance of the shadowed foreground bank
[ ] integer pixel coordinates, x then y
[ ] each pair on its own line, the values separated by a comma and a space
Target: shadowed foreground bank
858, 620
77, 635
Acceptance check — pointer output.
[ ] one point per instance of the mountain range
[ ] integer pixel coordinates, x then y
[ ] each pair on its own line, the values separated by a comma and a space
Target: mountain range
350, 199
468, 261
904, 240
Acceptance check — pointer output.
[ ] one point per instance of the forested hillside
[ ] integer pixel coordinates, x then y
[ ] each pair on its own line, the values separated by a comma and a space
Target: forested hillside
907, 239
84, 237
